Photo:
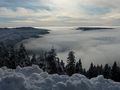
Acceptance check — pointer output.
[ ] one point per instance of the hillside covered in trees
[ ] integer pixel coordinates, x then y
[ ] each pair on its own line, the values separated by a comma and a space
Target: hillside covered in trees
12, 36
49, 62
92, 28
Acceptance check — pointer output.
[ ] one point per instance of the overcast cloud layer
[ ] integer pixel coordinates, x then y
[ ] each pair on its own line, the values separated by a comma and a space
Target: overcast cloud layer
59, 12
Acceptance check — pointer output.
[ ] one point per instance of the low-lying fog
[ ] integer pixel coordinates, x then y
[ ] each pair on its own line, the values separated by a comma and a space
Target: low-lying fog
97, 46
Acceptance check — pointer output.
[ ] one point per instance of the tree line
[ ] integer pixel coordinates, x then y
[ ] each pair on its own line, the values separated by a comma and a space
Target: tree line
49, 62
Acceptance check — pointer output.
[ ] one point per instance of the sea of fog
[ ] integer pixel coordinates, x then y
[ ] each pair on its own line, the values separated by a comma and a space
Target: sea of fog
97, 46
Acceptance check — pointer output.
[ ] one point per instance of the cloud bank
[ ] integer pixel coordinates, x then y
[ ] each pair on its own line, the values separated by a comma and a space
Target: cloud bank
97, 46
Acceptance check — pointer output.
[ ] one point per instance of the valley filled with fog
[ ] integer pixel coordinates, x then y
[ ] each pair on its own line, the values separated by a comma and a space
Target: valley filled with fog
97, 46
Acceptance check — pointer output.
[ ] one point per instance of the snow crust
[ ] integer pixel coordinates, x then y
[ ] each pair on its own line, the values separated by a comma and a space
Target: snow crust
33, 78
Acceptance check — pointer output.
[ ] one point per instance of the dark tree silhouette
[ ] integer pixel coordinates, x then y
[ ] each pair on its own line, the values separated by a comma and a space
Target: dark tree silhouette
101, 70
79, 68
41, 60
115, 72
70, 67
23, 58
107, 71
91, 71
51, 61
4, 54
62, 65
12, 58
48, 61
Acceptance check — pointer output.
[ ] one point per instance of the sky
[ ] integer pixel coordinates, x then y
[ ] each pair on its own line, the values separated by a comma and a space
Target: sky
38, 13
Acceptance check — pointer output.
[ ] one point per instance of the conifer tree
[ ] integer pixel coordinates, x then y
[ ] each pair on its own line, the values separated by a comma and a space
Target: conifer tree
62, 64
51, 61
115, 72
4, 54
60, 67
70, 67
79, 68
23, 58
12, 58
107, 71
90, 72
41, 60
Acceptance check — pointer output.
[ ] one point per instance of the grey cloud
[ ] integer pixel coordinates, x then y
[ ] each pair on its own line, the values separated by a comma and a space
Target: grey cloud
30, 4
62, 12
92, 46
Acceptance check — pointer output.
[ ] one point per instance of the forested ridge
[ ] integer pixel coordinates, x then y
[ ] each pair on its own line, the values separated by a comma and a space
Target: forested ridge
49, 62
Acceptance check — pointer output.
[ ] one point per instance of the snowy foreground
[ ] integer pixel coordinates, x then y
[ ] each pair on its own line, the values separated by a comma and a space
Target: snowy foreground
33, 78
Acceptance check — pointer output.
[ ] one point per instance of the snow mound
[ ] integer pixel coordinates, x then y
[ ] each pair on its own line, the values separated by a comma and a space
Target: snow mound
33, 78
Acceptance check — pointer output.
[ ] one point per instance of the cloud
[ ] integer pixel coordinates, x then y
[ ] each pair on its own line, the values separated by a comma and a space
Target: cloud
31, 4
56, 11
97, 46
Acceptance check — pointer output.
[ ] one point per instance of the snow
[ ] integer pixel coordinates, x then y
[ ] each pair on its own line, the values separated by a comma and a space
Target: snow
33, 78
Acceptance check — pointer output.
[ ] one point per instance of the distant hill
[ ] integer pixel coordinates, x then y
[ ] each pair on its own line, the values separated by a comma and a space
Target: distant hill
24, 28
92, 28
27, 28
11, 36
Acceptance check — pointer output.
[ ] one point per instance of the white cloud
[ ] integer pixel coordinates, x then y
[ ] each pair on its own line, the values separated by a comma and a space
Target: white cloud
69, 11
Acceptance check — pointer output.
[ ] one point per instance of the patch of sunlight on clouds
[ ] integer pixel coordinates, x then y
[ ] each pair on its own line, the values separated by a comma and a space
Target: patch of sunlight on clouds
69, 12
